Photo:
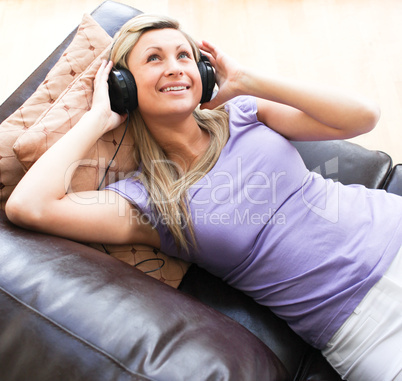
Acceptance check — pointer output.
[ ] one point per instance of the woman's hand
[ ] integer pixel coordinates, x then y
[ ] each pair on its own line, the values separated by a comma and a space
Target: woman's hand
101, 102
297, 111
228, 75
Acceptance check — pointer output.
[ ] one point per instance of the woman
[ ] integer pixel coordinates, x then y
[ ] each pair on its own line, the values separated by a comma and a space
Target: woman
218, 187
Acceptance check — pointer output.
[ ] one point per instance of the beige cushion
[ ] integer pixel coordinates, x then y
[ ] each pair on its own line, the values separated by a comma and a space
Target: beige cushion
153, 262
90, 40
60, 117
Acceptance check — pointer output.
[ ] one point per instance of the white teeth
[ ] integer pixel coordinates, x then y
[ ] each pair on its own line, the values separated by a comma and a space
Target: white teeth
174, 88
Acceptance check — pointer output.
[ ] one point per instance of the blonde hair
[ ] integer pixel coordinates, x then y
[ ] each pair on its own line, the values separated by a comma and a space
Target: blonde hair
165, 182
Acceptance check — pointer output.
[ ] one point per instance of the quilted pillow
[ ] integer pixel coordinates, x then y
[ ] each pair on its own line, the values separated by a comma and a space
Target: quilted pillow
72, 104
60, 117
151, 261
90, 40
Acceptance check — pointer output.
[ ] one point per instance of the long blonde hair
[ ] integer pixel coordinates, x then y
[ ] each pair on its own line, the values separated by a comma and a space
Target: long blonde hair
166, 184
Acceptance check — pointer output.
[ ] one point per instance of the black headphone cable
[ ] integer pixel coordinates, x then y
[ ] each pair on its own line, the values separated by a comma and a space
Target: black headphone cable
99, 187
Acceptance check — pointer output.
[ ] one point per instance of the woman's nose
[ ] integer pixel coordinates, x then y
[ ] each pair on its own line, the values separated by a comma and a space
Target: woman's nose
173, 67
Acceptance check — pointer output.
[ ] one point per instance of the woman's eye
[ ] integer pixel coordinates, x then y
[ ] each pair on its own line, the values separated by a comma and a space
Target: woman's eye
184, 55
154, 57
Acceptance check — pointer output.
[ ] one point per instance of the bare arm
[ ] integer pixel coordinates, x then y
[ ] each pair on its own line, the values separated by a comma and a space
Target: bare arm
40, 201
296, 110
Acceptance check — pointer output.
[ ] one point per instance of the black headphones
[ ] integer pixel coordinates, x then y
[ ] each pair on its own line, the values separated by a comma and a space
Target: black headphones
123, 90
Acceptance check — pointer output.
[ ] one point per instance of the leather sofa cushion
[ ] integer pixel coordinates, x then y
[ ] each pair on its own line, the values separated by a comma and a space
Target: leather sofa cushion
103, 320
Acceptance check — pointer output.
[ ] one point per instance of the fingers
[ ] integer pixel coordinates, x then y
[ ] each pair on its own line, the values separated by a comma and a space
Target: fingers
209, 50
103, 72
100, 99
208, 47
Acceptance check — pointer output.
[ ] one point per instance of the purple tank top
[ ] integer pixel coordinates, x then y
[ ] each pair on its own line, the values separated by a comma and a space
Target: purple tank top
307, 247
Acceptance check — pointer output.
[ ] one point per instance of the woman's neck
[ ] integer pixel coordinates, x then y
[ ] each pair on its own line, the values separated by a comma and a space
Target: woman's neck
183, 142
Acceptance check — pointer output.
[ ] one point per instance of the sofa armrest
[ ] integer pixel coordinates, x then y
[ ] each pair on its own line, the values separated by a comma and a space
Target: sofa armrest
346, 162
394, 181
71, 312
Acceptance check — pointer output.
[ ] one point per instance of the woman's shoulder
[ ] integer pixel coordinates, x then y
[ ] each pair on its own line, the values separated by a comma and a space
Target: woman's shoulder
242, 107
133, 190
244, 103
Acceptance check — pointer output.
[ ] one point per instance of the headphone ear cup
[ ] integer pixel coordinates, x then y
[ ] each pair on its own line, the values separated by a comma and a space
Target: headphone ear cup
207, 78
122, 91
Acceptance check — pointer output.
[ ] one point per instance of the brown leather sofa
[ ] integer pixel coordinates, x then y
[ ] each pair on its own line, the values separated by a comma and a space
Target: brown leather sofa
68, 312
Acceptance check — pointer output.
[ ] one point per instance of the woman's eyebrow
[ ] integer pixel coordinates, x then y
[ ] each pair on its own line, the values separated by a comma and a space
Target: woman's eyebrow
160, 48
153, 47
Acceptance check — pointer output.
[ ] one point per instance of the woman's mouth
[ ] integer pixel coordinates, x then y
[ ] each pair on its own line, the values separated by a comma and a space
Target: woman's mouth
174, 88
168, 89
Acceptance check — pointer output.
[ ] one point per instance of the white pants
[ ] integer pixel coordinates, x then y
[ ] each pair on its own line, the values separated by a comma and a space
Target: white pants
368, 346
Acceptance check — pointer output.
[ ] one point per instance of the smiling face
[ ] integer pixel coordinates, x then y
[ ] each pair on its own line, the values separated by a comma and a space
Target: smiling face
166, 73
